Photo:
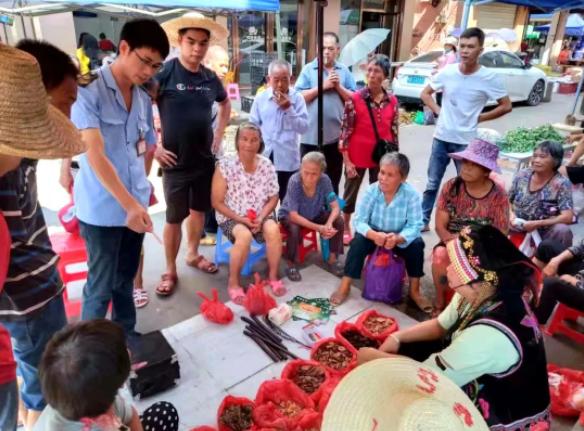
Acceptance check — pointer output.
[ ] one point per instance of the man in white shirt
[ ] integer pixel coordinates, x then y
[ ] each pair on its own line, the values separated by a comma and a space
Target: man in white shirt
466, 88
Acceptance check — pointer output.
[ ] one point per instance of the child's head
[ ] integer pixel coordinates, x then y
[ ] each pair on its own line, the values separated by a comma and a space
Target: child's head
83, 367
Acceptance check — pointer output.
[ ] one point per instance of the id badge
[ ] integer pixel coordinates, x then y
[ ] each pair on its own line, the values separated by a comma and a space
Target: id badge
141, 146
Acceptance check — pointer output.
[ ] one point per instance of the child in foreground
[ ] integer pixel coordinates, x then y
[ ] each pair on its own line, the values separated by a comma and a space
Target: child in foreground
81, 371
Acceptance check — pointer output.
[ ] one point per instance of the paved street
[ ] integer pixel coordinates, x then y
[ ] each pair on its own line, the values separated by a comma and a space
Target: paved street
415, 141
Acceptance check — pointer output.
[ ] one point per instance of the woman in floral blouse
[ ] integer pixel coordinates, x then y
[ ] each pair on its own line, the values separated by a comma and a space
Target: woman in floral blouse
358, 137
244, 195
472, 198
541, 198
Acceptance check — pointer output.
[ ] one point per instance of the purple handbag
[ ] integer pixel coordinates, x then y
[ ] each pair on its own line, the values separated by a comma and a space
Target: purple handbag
384, 274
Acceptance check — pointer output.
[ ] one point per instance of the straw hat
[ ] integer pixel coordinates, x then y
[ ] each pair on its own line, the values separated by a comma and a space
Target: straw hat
29, 126
399, 394
194, 20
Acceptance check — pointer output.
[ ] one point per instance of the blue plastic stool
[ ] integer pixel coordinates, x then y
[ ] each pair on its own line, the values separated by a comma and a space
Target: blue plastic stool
257, 252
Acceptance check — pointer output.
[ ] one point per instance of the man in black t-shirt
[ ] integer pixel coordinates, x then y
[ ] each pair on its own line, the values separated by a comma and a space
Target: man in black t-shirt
186, 93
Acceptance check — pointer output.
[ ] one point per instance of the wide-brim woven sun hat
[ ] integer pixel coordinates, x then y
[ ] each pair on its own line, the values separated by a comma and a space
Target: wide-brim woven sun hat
400, 394
195, 20
29, 125
480, 152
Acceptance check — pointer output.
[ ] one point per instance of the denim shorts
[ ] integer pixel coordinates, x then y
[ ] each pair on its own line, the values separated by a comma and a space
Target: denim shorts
29, 338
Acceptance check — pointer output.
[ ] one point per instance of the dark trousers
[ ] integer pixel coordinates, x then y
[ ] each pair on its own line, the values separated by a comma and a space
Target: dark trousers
554, 291
361, 247
283, 178
548, 249
352, 186
334, 161
113, 258
295, 238
210, 222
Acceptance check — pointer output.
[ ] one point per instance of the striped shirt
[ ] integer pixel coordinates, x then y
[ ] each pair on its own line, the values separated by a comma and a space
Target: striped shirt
403, 215
32, 279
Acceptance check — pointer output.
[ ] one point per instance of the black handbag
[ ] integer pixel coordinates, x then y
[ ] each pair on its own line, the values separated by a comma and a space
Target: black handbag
156, 365
382, 146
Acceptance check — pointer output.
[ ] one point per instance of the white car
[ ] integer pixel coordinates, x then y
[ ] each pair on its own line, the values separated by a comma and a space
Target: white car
523, 82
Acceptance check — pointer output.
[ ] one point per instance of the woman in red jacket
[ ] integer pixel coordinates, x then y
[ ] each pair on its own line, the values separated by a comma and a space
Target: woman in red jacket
358, 134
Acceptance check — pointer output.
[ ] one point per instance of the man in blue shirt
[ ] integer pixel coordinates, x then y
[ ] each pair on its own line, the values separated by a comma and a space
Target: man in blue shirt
280, 112
111, 190
338, 86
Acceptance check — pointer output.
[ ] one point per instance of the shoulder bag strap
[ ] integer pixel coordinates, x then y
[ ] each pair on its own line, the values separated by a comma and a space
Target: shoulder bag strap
368, 103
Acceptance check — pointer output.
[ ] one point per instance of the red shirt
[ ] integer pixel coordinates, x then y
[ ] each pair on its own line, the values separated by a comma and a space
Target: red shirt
106, 45
7, 364
362, 140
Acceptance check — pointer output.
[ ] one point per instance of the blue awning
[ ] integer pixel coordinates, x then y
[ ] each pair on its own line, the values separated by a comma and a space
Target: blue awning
574, 26
238, 5
543, 5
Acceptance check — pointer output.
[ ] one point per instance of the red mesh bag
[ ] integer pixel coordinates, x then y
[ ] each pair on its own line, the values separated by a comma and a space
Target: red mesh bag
290, 371
379, 336
348, 327
564, 384
327, 392
230, 401
258, 301
334, 367
214, 310
282, 405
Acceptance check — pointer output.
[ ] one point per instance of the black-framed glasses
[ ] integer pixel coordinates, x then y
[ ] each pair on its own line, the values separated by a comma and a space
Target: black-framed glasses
156, 67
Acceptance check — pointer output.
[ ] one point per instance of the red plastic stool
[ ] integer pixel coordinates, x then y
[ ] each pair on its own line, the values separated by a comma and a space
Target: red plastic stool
558, 323
308, 244
71, 250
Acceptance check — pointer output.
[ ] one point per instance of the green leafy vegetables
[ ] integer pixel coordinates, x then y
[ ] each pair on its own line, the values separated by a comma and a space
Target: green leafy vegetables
522, 140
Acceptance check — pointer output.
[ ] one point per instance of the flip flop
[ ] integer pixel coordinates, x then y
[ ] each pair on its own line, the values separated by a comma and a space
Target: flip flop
167, 285
209, 239
277, 287
293, 274
424, 305
236, 294
337, 268
203, 265
141, 298
337, 298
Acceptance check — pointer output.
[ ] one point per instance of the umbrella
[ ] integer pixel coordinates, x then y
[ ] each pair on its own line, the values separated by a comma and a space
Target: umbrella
505, 34
361, 45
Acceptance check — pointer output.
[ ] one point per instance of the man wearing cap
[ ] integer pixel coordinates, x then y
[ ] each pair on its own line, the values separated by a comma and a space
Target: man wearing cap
31, 302
466, 88
281, 113
111, 190
186, 94
338, 86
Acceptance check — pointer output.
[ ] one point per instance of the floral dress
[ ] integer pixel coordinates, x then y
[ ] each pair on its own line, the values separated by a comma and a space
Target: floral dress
464, 209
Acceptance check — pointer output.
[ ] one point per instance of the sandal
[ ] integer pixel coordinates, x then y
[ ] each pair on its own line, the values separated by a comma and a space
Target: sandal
337, 268
423, 304
338, 297
277, 287
236, 294
209, 239
293, 274
202, 264
167, 285
141, 298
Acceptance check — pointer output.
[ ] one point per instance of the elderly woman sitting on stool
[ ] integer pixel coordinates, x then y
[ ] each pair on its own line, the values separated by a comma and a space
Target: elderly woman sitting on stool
244, 195
390, 216
310, 192
541, 198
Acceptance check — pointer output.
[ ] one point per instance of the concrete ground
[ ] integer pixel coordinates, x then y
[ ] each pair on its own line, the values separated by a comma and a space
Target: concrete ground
415, 142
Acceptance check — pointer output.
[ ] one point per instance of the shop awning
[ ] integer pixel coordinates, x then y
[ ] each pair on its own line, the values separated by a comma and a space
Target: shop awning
543, 5
574, 26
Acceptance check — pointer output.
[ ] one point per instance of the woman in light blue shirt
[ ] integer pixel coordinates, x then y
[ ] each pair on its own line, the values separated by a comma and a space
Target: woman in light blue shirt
390, 216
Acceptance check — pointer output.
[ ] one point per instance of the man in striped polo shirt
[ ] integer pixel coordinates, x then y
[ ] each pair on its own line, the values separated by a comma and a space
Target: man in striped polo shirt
31, 305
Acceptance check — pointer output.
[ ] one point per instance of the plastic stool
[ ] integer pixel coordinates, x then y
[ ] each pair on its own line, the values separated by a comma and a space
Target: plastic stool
71, 251
558, 323
308, 244
233, 91
257, 252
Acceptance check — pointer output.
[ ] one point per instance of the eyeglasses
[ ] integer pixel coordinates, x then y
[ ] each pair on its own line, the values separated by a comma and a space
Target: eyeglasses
156, 67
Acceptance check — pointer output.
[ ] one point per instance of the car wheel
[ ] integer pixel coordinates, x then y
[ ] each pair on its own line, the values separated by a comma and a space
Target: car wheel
536, 95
